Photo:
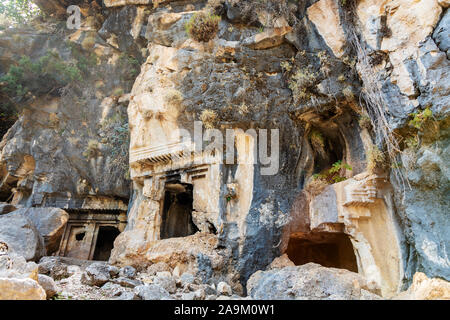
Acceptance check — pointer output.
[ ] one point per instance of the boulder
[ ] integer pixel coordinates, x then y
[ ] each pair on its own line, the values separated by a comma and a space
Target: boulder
128, 272
224, 288
50, 223
310, 281
187, 278
424, 288
54, 268
21, 236
15, 266
168, 283
20, 289
152, 292
97, 274
48, 284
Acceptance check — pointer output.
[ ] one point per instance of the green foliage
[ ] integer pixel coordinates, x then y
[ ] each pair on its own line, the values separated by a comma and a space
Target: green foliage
419, 118
85, 61
130, 65
332, 175
203, 27
18, 11
301, 81
29, 78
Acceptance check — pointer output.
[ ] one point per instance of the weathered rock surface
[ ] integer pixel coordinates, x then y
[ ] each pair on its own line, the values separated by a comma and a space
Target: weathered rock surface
50, 223
48, 284
97, 274
281, 262
309, 281
424, 288
21, 236
18, 278
152, 292
20, 289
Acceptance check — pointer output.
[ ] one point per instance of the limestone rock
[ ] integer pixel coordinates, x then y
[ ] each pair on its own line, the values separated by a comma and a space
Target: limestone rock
424, 288
54, 268
48, 284
157, 267
309, 281
224, 288
13, 265
20, 289
166, 282
440, 34
21, 236
325, 16
187, 278
281, 262
128, 272
267, 39
152, 292
50, 223
127, 282
97, 274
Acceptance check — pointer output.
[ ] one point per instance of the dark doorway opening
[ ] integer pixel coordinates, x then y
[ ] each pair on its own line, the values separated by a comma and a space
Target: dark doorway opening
177, 211
326, 249
105, 242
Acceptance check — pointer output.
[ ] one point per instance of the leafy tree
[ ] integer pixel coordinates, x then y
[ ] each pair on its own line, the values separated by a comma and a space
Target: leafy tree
18, 11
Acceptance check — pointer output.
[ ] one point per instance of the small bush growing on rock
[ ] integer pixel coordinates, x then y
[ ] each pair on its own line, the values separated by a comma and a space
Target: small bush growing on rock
203, 27
333, 175
92, 149
173, 96
419, 118
375, 158
300, 83
209, 118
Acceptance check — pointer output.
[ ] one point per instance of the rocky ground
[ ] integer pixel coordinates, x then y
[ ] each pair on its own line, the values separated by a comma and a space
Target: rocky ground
56, 278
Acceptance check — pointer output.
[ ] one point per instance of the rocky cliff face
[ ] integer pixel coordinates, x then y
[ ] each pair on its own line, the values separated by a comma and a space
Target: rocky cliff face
359, 91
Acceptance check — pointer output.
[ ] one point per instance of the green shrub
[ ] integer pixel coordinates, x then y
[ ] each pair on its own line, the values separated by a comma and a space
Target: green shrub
203, 27
131, 66
18, 11
419, 118
333, 175
30, 78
